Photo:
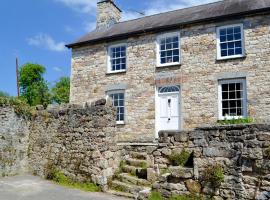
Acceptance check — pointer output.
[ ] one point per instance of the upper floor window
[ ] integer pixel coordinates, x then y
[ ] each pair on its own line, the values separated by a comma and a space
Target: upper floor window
232, 99
230, 41
168, 46
117, 58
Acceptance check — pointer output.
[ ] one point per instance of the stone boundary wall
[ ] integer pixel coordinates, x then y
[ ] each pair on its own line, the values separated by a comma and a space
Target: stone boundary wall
240, 149
81, 142
14, 132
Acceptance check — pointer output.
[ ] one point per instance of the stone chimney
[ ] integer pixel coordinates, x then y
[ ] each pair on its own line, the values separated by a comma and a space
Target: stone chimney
107, 13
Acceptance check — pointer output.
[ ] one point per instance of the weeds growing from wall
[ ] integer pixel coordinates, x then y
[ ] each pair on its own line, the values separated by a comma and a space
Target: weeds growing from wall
214, 175
21, 108
60, 178
236, 121
179, 159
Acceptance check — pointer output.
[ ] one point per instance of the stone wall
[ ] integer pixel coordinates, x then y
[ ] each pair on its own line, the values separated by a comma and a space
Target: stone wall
198, 76
241, 150
14, 132
81, 142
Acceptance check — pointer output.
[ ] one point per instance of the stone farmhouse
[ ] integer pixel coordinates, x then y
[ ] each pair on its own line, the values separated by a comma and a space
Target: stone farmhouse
176, 70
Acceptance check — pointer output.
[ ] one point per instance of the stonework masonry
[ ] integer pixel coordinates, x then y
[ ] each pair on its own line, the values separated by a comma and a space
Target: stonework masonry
14, 133
82, 143
197, 75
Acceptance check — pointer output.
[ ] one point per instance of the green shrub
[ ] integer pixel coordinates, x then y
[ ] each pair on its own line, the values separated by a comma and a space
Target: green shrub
236, 121
60, 178
21, 108
155, 196
179, 159
214, 175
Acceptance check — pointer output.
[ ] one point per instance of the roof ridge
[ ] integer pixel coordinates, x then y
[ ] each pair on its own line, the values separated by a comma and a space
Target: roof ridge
176, 10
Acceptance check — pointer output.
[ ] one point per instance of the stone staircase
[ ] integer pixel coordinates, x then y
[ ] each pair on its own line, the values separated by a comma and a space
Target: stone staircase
131, 180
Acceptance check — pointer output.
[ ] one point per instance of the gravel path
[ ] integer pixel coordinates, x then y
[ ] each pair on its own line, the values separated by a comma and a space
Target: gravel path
34, 188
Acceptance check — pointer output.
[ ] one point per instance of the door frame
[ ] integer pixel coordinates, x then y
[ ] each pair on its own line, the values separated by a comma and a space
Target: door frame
157, 109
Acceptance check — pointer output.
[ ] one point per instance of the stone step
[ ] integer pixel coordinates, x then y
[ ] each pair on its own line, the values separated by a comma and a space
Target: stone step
137, 163
121, 194
136, 171
139, 155
181, 172
126, 187
127, 178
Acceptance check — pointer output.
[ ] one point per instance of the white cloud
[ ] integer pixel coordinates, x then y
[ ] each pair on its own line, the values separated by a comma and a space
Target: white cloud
159, 6
85, 6
46, 41
57, 69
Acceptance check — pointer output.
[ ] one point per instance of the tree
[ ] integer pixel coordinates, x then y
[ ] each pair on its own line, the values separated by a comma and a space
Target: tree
3, 94
34, 89
61, 90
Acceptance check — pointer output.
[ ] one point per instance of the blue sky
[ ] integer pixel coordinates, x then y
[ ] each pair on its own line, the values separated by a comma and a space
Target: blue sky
36, 31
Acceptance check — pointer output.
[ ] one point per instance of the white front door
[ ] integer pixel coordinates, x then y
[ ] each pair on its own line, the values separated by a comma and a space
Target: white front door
168, 108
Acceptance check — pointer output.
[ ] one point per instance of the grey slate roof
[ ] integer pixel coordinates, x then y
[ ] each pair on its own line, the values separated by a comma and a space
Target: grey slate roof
172, 19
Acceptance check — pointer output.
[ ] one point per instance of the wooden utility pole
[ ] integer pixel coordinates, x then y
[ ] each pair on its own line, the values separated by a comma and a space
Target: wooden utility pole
17, 77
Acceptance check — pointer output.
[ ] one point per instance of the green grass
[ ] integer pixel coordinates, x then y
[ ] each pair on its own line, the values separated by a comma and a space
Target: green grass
179, 159
59, 178
236, 121
155, 196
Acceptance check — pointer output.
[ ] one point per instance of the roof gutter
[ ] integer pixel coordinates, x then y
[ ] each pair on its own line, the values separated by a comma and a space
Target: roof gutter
169, 27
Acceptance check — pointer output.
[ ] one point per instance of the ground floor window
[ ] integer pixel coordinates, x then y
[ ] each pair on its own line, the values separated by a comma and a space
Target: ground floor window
232, 99
118, 100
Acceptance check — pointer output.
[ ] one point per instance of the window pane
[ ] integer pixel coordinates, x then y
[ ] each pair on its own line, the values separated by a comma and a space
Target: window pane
224, 53
237, 36
230, 52
233, 104
176, 59
232, 86
229, 37
223, 31
238, 44
225, 104
225, 112
231, 45
223, 38
238, 86
237, 29
175, 45
162, 47
224, 46
238, 51
176, 52
230, 31
239, 103
225, 95
121, 95
169, 46
225, 87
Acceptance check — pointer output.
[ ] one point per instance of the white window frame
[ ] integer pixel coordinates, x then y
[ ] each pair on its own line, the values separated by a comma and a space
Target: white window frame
228, 81
122, 122
219, 57
171, 34
109, 64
